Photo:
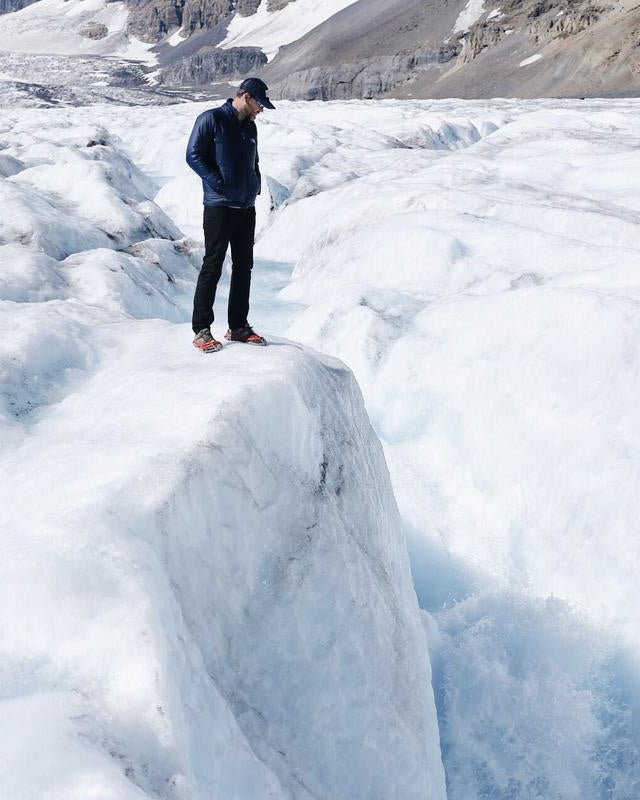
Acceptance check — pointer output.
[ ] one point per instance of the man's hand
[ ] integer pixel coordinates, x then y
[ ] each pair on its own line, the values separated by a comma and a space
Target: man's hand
200, 155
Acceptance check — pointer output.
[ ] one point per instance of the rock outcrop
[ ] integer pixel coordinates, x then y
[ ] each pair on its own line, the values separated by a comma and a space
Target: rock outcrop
247, 7
204, 14
543, 20
211, 64
128, 76
152, 20
359, 80
276, 5
7, 6
94, 30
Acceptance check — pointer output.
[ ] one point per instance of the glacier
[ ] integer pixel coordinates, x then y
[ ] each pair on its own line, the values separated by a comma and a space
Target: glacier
474, 263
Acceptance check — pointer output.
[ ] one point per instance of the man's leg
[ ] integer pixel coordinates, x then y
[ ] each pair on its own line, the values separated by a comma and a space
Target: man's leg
217, 230
242, 236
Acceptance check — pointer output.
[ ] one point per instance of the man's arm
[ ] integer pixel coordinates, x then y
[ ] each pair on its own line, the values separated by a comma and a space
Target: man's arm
201, 154
258, 165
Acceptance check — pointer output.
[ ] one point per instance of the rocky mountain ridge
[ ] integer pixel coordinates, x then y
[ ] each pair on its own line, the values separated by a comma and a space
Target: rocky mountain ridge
517, 48
411, 48
389, 48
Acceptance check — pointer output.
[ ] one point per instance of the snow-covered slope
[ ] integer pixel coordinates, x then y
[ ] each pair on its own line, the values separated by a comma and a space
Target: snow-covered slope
271, 30
205, 585
64, 26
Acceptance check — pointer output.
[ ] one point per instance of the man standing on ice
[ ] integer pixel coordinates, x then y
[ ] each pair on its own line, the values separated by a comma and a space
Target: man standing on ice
223, 150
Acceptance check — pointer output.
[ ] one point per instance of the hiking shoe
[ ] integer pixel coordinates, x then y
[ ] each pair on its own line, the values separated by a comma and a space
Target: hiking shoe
246, 335
205, 342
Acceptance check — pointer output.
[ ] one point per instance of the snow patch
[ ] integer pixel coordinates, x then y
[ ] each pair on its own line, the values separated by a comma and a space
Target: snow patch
470, 14
531, 60
271, 30
176, 38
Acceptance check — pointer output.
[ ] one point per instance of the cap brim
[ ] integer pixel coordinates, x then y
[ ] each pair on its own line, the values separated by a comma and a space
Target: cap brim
266, 102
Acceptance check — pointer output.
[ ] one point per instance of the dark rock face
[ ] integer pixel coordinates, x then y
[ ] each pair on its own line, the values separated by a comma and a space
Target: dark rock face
360, 80
152, 20
212, 64
573, 21
94, 30
14, 5
128, 76
276, 5
247, 8
204, 14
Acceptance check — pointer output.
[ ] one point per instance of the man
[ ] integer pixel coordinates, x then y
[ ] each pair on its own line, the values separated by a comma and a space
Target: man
223, 150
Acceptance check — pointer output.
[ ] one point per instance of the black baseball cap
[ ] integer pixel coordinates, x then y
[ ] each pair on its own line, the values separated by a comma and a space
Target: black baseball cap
258, 90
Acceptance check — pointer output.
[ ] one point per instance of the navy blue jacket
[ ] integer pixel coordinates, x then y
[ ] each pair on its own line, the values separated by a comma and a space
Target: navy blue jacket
224, 153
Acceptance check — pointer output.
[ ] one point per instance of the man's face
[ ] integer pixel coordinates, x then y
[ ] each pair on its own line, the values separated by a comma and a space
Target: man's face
253, 106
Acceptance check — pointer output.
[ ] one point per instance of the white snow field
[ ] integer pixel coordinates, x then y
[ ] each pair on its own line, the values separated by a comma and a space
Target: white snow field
205, 584
55, 26
476, 265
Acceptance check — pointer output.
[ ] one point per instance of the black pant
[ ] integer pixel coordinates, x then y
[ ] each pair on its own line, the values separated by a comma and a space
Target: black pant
224, 226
